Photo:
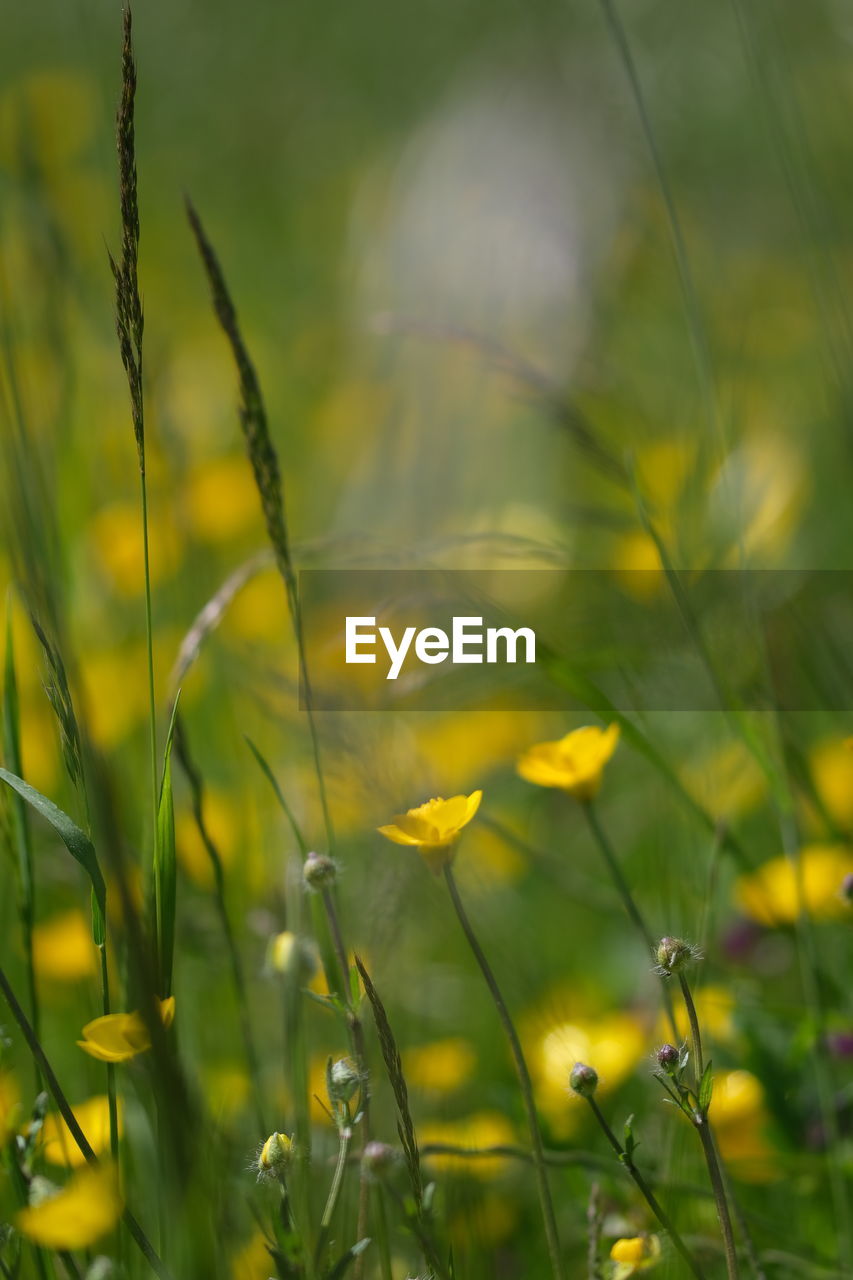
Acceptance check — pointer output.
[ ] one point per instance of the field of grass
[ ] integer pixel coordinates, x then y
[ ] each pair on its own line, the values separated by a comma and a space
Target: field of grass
486, 287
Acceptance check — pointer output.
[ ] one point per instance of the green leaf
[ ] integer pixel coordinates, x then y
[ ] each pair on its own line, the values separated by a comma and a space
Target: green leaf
343, 1263
706, 1088
166, 869
20, 831
76, 842
279, 795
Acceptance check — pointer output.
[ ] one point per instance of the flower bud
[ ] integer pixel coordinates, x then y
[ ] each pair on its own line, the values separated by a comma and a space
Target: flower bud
847, 888
668, 1057
583, 1080
673, 954
275, 1155
292, 956
342, 1080
378, 1158
320, 871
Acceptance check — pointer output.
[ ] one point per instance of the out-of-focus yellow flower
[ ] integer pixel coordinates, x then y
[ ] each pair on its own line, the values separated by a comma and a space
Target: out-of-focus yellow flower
728, 782
574, 763
10, 1101
637, 565
740, 1120
633, 1254
118, 1037
63, 950
612, 1043
78, 1215
226, 1089
776, 892
439, 1068
714, 1007
115, 536
253, 1261
221, 821
476, 1132
93, 1117
832, 771
486, 1223
222, 499
54, 111
115, 701
434, 827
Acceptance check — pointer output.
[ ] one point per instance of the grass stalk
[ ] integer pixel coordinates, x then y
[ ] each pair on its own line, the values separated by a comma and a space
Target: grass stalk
645, 1190
628, 901
111, 1071
523, 1073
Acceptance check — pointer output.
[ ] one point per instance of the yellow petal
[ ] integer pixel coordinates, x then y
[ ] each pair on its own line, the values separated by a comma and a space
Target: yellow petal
79, 1215
394, 833
116, 1037
93, 1117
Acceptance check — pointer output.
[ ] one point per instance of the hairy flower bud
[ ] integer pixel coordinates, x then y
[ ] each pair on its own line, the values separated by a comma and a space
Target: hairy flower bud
583, 1080
342, 1080
378, 1158
320, 871
673, 954
668, 1057
275, 1155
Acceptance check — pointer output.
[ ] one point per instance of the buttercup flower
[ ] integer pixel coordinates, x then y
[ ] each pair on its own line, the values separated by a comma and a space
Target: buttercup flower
574, 763
776, 892
118, 1037
77, 1216
633, 1254
434, 827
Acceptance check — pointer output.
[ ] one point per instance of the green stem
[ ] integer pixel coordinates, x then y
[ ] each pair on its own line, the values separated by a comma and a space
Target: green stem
645, 1190
702, 1126
356, 1032
111, 1071
700, 1123
149, 642
344, 1137
382, 1238
699, 1064
633, 911
34, 1045
523, 1077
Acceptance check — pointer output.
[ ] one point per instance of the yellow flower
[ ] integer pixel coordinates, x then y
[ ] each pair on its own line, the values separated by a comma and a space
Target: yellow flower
633, 1254
434, 827
10, 1101
473, 1133
441, 1067
740, 1125
93, 1117
118, 1037
575, 763
63, 950
78, 1215
612, 1042
775, 893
